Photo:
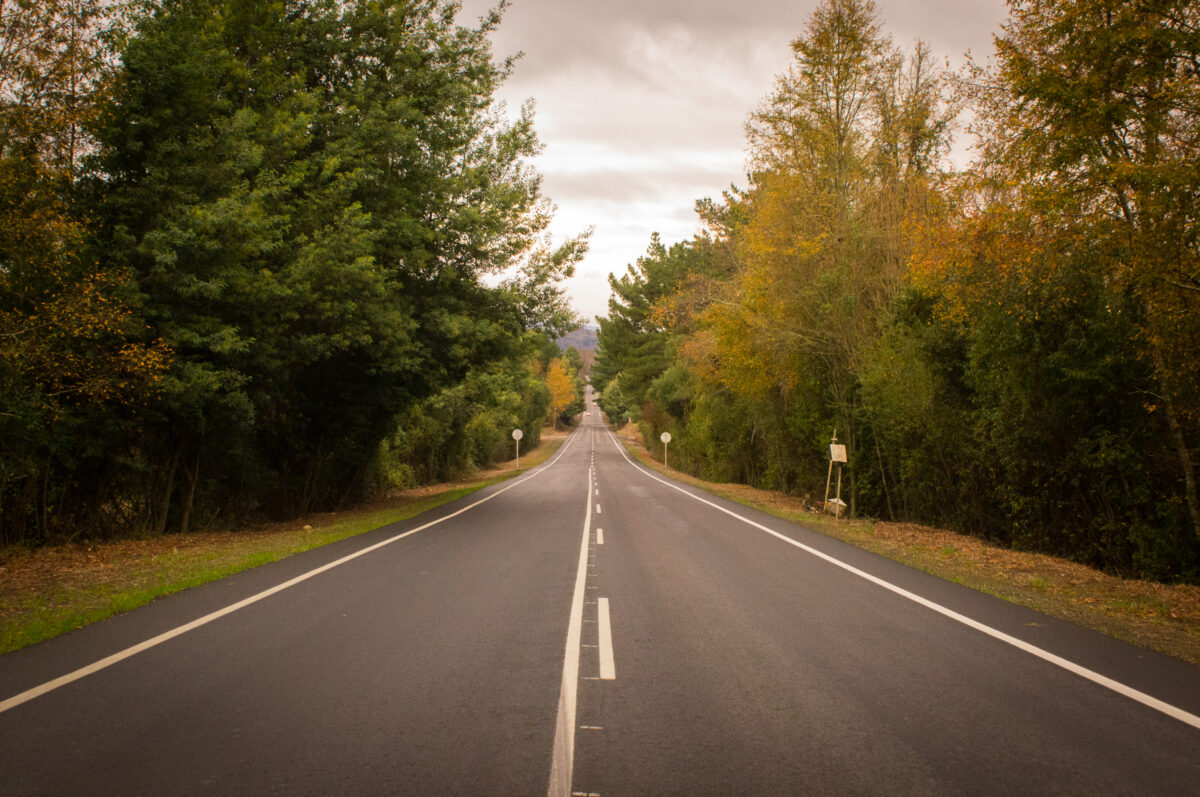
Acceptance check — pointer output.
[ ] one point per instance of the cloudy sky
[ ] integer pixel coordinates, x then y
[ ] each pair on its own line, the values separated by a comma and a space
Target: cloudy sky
641, 103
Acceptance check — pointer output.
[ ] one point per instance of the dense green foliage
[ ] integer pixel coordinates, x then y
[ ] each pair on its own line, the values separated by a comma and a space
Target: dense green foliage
257, 279
1009, 351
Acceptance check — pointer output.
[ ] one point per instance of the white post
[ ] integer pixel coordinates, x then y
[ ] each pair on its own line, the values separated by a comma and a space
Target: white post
839, 493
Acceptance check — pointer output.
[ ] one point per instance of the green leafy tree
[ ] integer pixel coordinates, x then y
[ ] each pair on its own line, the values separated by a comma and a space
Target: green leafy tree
1093, 108
635, 338
74, 362
310, 195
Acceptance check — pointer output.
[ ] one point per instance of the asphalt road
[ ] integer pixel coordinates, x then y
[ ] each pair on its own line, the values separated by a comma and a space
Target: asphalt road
593, 628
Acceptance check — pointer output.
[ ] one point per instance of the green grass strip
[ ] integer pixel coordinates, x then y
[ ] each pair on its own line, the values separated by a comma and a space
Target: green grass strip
44, 613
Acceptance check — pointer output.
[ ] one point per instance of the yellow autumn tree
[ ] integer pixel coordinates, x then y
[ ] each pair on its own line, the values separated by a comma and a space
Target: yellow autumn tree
563, 388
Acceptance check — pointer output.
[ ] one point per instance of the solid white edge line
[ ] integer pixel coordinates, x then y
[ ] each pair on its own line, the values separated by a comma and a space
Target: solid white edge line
562, 760
1102, 680
108, 661
608, 668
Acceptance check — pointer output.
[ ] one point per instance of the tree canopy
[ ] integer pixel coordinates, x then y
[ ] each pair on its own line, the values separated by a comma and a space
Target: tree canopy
249, 241
1008, 350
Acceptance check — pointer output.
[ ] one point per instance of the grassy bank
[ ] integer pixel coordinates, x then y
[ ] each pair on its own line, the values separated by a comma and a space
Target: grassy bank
49, 591
1161, 617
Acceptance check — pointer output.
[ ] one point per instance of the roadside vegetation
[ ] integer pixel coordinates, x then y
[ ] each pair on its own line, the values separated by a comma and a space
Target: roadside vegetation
1009, 350
259, 260
1161, 617
50, 590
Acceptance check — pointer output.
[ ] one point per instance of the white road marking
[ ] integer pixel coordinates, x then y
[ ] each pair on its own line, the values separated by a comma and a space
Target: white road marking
608, 668
562, 761
599, 536
108, 661
597, 509
1101, 680
591, 728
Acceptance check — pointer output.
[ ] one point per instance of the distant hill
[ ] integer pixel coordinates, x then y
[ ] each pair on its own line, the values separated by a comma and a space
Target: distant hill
583, 339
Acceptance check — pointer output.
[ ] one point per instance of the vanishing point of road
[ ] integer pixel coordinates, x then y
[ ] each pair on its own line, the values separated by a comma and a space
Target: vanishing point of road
592, 628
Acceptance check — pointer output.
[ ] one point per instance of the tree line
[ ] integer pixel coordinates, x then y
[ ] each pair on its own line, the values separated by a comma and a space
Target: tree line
1008, 349
260, 258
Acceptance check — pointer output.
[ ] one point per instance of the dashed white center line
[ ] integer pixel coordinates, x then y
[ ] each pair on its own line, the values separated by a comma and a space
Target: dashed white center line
562, 763
597, 509
599, 536
608, 668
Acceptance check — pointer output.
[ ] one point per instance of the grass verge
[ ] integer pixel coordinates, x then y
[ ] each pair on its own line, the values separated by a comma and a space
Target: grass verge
1162, 617
49, 591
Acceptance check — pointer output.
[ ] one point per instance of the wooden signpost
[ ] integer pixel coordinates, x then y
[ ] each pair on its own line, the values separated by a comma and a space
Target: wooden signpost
837, 453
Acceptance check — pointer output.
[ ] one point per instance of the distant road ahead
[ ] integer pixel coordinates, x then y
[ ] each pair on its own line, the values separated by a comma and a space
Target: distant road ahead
593, 628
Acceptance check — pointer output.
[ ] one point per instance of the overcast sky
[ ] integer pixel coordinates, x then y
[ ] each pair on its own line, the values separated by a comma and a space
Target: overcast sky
641, 104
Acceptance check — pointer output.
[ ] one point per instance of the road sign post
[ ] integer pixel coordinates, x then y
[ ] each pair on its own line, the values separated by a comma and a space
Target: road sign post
666, 438
517, 435
837, 453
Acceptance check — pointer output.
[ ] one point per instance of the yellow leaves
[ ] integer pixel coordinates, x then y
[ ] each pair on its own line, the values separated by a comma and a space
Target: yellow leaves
71, 339
562, 386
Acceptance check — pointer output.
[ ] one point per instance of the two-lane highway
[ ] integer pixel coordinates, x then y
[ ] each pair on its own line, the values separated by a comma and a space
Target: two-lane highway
431, 664
750, 665
593, 628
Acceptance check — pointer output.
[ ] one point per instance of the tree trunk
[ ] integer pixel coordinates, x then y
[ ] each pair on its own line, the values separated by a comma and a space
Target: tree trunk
193, 476
887, 494
161, 526
1181, 447
1186, 464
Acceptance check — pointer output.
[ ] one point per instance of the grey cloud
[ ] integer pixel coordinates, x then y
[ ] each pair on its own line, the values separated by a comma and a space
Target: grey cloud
642, 103
624, 187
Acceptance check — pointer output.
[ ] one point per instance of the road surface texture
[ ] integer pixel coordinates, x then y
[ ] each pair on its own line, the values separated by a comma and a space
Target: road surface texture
592, 627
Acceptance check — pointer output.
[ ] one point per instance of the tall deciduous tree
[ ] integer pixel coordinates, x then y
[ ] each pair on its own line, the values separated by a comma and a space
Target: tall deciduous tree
843, 149
564, 388
1094, 112
73, 358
